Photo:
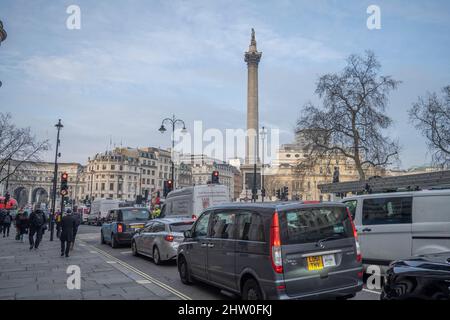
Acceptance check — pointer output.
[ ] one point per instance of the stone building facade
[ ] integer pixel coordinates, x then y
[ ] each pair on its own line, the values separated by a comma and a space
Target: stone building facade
33, 182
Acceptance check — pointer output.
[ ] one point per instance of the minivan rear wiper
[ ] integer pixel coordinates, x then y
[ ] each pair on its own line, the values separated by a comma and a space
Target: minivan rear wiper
334, 237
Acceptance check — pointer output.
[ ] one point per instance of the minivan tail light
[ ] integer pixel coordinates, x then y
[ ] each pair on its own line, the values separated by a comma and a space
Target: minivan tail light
169, 238
275, 244
355, 235
120, 228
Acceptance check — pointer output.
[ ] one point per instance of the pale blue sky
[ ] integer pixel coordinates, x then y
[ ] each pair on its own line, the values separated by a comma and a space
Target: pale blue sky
135, 62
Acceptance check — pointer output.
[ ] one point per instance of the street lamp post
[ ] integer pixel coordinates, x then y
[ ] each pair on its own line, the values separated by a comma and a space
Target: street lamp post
263, 189
55, 177
173, 121
92, 184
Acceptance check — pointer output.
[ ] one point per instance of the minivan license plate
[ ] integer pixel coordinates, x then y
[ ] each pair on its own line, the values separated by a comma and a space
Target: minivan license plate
320, 262
315, 263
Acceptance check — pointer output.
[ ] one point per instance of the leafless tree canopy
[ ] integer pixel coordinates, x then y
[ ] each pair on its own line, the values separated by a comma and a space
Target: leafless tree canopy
17, 144
431, 115
352, 118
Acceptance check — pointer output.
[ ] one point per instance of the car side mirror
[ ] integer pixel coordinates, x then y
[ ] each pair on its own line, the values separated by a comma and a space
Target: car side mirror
187, 234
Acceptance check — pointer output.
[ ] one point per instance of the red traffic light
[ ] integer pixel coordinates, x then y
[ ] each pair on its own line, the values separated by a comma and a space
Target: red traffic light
216, 173
64, 176
169, 182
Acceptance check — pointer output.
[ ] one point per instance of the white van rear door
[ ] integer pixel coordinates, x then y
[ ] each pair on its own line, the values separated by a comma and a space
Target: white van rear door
385, 229
431, 224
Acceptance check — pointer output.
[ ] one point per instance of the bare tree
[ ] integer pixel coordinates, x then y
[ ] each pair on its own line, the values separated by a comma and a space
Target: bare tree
431, 115
17, 145
352, 118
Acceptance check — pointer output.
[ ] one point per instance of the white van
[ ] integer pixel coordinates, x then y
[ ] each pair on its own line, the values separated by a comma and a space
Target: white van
399, 225
191, 201
100, 209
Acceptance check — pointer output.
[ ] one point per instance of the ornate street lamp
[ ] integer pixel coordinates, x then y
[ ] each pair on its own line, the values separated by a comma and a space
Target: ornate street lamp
3, 36
173, 121
3, 33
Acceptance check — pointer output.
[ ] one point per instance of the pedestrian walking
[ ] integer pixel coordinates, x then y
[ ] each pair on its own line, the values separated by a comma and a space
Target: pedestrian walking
77, 218
2, 218
36, 222
21, 225
68, 226
6, 224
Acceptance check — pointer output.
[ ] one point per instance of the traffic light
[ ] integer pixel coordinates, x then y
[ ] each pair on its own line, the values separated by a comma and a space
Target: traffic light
279, 194
64, 186
215, 177
168, 186
285, 193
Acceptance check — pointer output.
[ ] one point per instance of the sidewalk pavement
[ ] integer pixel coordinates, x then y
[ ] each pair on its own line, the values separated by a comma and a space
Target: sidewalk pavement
41, 274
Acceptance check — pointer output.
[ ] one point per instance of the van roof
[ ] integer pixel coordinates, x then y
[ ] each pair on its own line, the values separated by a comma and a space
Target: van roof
278, 206
421, 193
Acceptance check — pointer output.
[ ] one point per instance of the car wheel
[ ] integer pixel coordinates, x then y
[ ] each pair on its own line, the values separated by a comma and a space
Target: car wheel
156, 256
113, 242
134, 248
102, 238
183, 270
402, 289
251, 290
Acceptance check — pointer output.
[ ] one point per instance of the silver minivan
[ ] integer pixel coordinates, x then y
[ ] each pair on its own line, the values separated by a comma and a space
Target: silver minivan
274, 251
398, 225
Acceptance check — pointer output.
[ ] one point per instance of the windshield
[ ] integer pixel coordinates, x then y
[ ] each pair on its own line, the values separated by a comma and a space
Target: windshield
181, 226
135, 214
314, 224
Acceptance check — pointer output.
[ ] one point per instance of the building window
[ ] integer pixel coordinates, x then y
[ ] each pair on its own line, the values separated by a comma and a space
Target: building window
113, 167
103, 186
111, 186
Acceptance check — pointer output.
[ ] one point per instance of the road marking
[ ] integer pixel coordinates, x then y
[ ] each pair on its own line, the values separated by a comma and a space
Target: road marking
142, 274
92, 251
126, 252
7, 257
143, 281
111, 262
372, 291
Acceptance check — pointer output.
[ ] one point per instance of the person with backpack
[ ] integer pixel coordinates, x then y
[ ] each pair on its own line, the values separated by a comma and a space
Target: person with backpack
21, 224
37, 222
6, 224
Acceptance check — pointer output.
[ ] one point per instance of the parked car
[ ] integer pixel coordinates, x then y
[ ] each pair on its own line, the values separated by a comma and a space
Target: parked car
423, 277
274, 251
160, 238
394, 226
191, 201
121, 224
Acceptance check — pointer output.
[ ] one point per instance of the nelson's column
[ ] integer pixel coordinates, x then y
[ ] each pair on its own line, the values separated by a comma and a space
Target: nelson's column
252, 57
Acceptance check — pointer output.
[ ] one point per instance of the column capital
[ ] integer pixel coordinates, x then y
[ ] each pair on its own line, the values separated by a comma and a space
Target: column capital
253, 58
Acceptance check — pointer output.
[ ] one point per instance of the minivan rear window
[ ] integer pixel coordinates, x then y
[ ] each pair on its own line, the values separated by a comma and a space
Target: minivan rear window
181, 226
313, 224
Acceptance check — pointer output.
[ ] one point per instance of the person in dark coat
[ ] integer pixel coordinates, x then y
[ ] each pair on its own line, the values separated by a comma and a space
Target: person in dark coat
68, 226
77, 218
37, 222
7, 220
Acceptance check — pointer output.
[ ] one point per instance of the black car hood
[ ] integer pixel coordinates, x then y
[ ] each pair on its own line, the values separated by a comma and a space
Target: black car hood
437, 264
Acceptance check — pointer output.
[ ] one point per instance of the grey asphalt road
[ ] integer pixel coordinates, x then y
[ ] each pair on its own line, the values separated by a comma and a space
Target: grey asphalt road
168, 273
